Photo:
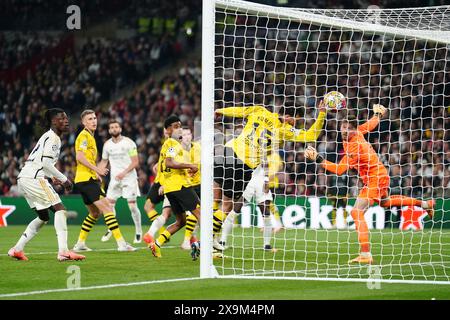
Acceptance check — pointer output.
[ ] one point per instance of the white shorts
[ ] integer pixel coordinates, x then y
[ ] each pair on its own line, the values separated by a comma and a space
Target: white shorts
39, 193
255, 188
166, 202
126, 188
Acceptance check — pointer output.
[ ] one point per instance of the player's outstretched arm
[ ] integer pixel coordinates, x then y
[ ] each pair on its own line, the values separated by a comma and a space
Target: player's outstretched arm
238, 112
289, 133
339, 168
373, 122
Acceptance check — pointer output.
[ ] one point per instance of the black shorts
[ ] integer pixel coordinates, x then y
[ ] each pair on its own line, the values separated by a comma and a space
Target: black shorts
198, 190
338, 200
232, 176
91, 191
153, 193
183, 200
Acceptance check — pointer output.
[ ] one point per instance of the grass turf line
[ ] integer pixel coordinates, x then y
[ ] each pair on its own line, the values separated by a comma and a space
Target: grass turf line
43, 272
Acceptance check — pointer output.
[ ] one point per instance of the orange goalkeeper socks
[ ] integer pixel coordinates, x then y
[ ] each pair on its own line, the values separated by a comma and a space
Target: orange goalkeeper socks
362, 229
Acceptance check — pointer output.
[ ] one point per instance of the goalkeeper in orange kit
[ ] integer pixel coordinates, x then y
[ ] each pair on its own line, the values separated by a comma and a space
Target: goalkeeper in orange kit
360, 155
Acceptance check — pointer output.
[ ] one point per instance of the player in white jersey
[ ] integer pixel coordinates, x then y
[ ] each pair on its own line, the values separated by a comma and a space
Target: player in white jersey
38, 192
258, 190
121, 153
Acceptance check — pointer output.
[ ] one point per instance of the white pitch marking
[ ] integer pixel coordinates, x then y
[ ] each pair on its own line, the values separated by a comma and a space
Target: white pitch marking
18, 294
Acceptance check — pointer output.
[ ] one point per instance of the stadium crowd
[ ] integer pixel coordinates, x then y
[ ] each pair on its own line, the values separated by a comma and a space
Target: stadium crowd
18, 48
273, 68
414, 140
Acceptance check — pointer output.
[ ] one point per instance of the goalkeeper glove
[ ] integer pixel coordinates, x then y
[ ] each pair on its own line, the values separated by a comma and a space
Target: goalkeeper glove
379, 110
312, 154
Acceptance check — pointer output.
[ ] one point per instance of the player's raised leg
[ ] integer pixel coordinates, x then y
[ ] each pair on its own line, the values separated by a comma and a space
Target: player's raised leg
400, 201
158, 224
180, 221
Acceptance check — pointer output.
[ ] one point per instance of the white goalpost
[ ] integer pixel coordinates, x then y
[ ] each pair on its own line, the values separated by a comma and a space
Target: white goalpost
283, 59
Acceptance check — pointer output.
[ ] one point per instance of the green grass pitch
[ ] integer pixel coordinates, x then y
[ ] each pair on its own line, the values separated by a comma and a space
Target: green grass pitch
108, 274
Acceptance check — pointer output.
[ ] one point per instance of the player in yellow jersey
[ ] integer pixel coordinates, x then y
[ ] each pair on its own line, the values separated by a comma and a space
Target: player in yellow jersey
155, 196
176, 182
88, 184
263, 131
192, 154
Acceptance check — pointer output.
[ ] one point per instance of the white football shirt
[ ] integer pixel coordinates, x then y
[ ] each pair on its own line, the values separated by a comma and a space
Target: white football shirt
119, 156
48, 146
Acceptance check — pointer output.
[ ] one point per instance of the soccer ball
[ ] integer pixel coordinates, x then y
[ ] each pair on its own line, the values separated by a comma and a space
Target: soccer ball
335, 101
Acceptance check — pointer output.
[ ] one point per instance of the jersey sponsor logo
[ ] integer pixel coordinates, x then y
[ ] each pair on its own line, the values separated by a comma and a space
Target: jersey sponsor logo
295, 131
171, 151
84, 144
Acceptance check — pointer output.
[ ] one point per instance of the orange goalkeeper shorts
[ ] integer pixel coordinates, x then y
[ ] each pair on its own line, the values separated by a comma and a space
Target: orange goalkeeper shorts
375, 189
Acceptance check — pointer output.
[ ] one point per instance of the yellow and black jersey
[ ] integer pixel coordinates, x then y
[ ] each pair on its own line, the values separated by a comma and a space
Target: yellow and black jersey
263, 131
274, 165
194, 156
85, 142
173, 179
159, 174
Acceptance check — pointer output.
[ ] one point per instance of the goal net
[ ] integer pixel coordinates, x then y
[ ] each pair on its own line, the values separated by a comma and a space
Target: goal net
285, 60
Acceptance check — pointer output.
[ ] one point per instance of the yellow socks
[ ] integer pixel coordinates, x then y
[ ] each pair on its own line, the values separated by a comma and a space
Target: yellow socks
191, 222
218, 219
86, 227
113, 225
152, 214
163, 237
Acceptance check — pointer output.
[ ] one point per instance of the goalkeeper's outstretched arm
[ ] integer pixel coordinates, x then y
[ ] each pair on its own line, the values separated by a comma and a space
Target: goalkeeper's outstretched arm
337, 168
373, 122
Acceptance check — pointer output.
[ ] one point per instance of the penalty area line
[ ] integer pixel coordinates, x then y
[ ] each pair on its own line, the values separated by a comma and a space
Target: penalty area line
107, 286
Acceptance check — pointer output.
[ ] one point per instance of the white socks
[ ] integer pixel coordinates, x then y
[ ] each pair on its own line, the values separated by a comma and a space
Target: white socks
136, 215
31, 230
267, 232
156, 225
227, 226
61, 230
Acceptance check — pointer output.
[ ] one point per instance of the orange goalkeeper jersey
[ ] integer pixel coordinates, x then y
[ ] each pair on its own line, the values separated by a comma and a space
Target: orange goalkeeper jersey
360, 155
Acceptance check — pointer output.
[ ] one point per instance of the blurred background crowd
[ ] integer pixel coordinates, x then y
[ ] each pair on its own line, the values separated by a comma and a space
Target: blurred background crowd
151, 68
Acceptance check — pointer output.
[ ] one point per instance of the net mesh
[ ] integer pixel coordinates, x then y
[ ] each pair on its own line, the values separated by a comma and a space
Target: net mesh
268, 59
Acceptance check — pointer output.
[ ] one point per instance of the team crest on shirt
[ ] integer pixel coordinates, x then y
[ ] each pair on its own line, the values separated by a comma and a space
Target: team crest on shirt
55, 148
